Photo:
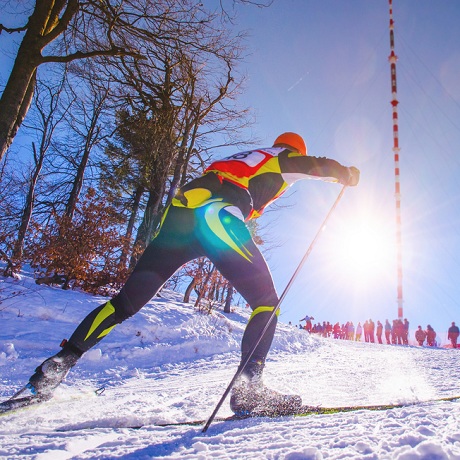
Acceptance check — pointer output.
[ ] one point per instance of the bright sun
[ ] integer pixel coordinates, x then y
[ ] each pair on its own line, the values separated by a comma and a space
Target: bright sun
365, 246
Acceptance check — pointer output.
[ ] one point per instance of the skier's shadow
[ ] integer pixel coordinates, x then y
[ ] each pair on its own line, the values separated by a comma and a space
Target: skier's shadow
182, 443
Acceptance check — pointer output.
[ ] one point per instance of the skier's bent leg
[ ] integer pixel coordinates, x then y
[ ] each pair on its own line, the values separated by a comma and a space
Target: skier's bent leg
121, 307
90, 331
248, 272
159, 261
95, 327
241, 262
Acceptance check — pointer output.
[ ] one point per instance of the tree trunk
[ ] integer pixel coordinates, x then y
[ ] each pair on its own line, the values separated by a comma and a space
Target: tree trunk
131, 222
189, 290
146, 228
91, 137
28, 208
77, 183
17, 96
152, 214
19, 89
228, 299
203, 286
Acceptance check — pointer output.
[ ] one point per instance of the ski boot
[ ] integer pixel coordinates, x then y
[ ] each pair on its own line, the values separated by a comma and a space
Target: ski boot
250, 397
52, 372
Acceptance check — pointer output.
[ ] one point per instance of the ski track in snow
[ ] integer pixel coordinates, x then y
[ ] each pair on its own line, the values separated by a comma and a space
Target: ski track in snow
169, 364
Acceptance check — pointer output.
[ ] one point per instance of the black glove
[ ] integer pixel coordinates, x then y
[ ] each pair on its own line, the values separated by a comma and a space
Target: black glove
181, 197
353, 177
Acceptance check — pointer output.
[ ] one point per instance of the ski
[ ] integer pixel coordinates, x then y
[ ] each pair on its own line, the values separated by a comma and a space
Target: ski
18, 401
306, 411
303, 411
14, 404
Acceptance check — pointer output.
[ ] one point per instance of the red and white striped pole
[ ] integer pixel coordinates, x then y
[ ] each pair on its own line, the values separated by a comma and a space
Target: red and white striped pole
394, 103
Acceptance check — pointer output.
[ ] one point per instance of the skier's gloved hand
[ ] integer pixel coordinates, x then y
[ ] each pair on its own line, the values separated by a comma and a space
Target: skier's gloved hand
353, 177
181, 197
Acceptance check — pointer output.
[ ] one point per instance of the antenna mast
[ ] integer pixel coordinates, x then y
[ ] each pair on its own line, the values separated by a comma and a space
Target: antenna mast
394, 102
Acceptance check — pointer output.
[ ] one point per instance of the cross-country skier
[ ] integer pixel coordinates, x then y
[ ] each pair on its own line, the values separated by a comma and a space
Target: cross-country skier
207, 218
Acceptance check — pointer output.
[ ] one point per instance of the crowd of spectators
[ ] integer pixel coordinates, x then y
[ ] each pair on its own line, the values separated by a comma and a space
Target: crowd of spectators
394, 333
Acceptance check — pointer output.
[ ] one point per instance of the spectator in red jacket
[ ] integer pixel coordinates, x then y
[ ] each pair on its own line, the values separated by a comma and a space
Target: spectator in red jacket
337, 331
379, 331
399, 331
430, 336
420, 336
371, 331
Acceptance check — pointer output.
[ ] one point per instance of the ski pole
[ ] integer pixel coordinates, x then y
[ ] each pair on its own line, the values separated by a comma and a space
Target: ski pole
274, 312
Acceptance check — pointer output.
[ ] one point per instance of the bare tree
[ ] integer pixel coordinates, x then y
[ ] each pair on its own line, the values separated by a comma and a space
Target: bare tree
197, 270
181, 91
8, 213
88, 131
47, 99
62, 31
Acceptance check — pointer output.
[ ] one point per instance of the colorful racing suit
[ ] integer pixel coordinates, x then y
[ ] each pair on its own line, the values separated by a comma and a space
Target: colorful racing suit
207, 218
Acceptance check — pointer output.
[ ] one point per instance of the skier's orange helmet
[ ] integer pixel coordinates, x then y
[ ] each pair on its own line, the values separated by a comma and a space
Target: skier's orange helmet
292, 140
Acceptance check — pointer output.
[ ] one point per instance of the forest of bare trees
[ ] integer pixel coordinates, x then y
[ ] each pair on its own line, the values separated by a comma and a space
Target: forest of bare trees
116, 104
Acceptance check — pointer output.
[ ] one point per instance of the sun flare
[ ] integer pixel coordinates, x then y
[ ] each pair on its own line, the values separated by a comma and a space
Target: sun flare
365, 248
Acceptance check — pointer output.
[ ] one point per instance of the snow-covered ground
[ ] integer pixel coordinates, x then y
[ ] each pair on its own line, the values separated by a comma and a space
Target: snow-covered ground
171, 364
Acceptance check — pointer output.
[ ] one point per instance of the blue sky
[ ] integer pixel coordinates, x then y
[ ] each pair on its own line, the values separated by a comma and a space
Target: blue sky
321, 68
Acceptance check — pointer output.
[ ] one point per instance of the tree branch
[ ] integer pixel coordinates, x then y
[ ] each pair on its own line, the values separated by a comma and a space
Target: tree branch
90, 54
63, 22
10, 30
